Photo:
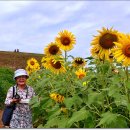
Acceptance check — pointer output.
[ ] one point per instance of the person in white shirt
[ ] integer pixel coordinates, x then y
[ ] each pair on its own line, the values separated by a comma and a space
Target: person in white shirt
22, 116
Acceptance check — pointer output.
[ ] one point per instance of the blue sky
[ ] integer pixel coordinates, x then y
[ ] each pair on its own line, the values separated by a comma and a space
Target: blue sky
32, 25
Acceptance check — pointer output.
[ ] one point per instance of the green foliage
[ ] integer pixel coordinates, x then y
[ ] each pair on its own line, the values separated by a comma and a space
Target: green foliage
77, 116
6, 81
111, 120
102, 102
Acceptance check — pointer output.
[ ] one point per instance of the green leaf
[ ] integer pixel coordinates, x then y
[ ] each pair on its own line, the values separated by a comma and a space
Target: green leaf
77, 100
54, 113
114, 91
122, 100
107, 118
128, 106
40, 126
118, 123
53, 122
47, 104
89, 122
90, 58
44, 99
34, 101
68, 102
78, 116
95, 97
128, 84
62, 123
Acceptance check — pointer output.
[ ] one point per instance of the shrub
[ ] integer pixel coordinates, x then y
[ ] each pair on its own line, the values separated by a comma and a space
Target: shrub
6, 80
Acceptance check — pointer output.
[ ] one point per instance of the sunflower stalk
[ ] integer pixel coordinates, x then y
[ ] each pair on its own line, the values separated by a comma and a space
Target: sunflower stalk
127, 79
65, 56
127, 74
103, 60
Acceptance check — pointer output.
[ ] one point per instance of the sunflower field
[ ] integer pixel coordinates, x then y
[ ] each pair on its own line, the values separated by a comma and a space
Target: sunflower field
76, 92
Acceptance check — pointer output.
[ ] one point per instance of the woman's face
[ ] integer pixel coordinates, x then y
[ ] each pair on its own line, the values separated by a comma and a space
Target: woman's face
21, 80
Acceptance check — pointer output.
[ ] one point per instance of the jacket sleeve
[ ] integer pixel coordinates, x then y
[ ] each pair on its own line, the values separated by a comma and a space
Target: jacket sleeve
9, 96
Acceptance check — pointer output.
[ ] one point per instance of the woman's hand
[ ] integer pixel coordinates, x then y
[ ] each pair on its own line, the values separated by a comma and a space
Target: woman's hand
15, 100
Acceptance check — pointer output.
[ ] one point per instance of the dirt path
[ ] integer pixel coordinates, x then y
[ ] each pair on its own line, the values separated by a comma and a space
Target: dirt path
1, 125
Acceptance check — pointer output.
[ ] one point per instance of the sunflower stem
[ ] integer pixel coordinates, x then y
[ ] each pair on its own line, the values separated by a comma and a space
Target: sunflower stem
103, 60
127, 74
126, 89
127, 79
65, 56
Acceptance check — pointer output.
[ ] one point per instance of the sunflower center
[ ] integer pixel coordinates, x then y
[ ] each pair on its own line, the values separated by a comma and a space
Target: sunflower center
126, 50
81, 76
57, 65
32, 62
53, 49
79, 61
29, 69
106, 41
65, 41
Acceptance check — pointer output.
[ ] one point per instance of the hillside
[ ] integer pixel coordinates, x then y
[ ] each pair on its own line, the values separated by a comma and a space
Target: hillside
16, 60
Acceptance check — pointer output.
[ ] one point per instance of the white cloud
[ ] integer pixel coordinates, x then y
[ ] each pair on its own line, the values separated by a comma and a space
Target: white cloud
12, 6
31, 25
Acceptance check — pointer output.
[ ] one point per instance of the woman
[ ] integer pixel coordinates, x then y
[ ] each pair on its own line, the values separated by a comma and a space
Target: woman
22, 117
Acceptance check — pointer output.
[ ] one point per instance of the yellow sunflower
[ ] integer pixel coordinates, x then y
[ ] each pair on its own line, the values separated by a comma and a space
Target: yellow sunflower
80, 73
37, 67
43, 61
52, 49
94, 51
55, 65
122, 50
78, 62
105, 42
29, 70
32, 63
57, 97
65, 40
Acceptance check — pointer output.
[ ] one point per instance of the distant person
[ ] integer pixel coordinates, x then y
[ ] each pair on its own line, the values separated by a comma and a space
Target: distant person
22, 117
17, 50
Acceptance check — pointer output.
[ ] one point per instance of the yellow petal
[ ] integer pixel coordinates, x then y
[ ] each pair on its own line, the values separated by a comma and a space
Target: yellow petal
120, 58
118, 44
